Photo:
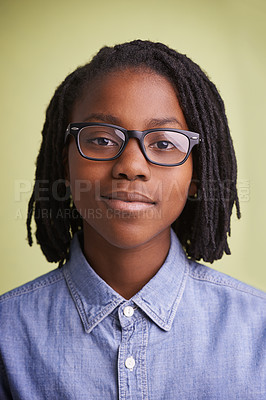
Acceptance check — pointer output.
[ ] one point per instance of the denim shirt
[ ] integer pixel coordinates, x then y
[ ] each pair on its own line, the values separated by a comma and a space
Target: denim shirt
190, 333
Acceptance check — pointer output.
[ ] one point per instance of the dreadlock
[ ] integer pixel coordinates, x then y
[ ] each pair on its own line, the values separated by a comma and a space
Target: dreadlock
204, 224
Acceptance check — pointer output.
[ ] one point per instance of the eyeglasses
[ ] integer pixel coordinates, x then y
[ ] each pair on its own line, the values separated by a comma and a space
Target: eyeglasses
103, 142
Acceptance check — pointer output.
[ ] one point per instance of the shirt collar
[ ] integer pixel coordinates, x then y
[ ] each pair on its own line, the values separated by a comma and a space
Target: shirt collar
95, 299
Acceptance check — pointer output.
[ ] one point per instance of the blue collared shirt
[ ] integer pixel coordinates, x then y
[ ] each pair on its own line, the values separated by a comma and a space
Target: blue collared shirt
190, 333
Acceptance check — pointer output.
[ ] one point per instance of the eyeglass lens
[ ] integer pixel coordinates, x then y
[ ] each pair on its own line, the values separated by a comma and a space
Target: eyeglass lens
103, 142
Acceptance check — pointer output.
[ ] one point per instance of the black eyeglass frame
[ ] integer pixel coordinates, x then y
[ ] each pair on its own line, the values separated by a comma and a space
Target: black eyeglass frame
75, 128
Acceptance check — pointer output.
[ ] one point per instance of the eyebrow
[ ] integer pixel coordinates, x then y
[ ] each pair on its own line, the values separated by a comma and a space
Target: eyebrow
163, 121
108, 118
151, 123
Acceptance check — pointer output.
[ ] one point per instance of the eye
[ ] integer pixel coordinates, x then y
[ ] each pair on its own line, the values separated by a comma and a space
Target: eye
96, 137
166, 141
102, 141
162, 145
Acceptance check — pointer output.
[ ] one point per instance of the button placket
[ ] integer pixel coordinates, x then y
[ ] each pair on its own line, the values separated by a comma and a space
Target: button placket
132, 352
127, 320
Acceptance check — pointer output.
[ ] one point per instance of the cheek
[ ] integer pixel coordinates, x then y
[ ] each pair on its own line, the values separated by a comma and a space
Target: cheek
175, 188
83, 179
178, 187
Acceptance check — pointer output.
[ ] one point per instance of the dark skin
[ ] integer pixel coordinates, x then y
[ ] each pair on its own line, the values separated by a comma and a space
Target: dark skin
127, 238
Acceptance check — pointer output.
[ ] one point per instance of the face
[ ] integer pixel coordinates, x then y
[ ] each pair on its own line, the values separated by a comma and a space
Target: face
128, 201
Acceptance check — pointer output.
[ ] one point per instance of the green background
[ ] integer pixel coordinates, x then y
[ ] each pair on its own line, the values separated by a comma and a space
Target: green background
41, 42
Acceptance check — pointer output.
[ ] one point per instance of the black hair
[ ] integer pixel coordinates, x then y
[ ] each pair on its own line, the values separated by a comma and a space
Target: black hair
204, 225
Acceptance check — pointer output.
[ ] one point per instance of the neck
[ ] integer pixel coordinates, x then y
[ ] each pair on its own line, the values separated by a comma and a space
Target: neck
125, 270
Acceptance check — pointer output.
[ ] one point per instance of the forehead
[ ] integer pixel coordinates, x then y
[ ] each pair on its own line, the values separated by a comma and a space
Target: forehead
131, 95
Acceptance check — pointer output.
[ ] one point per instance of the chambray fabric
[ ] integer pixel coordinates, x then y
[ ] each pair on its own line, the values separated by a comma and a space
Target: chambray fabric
195, 333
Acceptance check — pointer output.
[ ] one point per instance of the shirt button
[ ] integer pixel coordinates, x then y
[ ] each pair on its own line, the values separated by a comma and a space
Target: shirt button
130, 363
128, 311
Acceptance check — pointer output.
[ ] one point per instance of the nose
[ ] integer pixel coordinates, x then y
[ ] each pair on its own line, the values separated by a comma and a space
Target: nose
132, 164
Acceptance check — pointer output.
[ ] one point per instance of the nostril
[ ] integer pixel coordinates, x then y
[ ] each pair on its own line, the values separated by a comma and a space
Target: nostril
122, 176
129, 177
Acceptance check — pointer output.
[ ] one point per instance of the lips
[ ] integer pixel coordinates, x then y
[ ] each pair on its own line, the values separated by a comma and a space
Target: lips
129, 197
128, 201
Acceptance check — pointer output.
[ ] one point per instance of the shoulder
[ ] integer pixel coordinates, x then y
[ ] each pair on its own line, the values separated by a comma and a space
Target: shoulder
234, 311
218, 284
32, 289
32, 307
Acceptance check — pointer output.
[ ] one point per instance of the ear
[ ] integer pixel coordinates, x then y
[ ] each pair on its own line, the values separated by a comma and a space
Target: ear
193, 187
66, 166
192, 191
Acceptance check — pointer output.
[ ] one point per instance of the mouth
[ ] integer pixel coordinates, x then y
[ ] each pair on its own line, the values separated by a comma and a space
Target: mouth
129, 197
128, 201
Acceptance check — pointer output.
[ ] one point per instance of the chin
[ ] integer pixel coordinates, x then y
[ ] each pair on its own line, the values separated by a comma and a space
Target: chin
125, 235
